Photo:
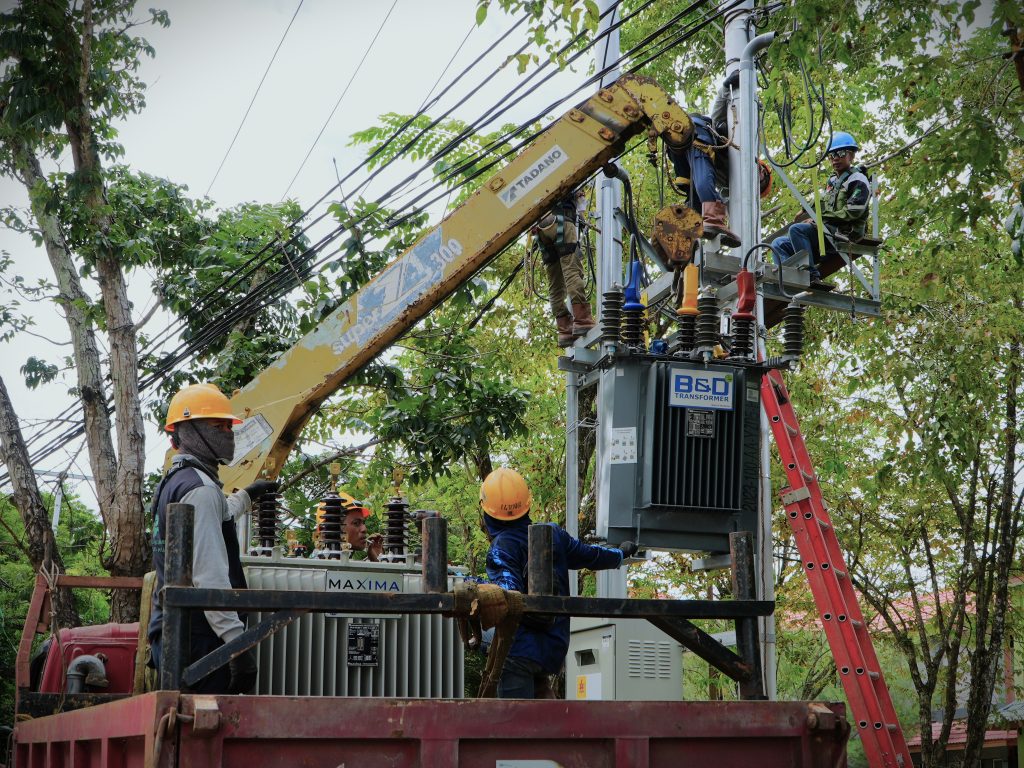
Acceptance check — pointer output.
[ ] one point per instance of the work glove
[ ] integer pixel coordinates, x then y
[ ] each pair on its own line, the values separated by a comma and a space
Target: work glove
243, 673
260, 488
628, 549
732, 81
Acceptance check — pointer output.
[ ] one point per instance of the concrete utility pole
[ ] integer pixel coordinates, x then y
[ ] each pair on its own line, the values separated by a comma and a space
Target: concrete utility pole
609, 272
745, 216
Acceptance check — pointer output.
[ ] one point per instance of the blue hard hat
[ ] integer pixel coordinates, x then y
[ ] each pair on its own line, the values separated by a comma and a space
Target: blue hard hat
842, 140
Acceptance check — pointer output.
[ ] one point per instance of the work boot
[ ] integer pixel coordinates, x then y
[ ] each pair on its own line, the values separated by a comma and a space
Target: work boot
716, 224
564, 325
583, 321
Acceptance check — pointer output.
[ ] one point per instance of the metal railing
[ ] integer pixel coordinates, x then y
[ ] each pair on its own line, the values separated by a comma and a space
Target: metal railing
674, 617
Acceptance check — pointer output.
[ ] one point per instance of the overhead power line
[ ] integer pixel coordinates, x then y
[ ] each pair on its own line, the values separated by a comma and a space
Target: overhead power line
338, 102
273, 290
253, 100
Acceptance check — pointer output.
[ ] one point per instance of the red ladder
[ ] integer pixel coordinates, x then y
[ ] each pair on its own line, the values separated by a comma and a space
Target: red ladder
866, 692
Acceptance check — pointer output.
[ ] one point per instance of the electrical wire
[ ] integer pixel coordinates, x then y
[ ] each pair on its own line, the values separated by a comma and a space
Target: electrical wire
253, 100
784, 113
338, 102
330, 237
236, 278
216, 329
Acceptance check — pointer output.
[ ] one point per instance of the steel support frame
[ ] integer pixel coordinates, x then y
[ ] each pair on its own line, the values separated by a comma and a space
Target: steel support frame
179, 598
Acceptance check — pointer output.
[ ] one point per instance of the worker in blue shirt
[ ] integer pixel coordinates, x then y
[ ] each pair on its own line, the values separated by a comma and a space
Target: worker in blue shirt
540, 644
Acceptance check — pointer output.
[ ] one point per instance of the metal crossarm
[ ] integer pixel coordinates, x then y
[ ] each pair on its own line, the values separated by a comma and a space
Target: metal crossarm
863, 683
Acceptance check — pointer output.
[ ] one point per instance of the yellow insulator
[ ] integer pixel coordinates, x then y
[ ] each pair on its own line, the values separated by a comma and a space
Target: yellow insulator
688, 306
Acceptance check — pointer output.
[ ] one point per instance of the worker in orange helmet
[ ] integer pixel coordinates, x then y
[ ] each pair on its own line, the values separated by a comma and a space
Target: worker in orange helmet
539, 647
356, 513
200, 422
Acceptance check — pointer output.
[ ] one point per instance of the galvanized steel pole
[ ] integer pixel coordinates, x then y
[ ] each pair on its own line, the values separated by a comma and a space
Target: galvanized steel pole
609, 272
745, 215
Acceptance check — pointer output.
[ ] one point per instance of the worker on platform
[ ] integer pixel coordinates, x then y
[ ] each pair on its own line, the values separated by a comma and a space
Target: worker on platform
539, 647
356, 513
704, 166
200, 421
844, 210
557, 236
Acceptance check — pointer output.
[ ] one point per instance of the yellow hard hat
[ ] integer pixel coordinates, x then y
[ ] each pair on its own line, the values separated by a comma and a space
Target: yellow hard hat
504, 495
199, 401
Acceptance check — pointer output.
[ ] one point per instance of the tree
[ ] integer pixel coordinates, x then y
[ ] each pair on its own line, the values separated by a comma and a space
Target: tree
69, 74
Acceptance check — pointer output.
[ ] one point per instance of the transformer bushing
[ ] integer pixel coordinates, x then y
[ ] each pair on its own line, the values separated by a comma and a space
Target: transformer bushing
686, 336
742, 337
396, 534
707, 323
634, 323
331, 522
793, 333
611, 316
265, 520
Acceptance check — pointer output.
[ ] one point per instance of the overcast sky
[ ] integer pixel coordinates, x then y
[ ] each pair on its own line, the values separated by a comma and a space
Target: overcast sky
207, 66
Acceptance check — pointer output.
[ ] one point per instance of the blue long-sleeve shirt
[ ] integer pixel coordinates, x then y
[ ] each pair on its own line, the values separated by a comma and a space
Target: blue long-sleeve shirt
507, 567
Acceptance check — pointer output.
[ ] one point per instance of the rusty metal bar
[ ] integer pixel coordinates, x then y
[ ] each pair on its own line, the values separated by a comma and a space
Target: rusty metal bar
174, 639
100, 582
695, 639
248, 639
435, 554
540, 560
741, 545
397, 602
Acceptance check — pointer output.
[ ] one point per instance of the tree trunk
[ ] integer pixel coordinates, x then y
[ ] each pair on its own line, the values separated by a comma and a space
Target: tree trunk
993, 600
118, 475
42, 546
128, 553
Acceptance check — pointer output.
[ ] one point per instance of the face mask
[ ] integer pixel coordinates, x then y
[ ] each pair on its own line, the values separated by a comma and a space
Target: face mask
206, 442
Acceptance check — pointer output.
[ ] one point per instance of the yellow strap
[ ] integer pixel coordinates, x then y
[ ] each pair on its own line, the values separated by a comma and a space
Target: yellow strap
817, 214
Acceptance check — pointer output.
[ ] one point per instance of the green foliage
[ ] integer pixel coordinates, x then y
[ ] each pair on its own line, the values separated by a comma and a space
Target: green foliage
548, 22
42, 84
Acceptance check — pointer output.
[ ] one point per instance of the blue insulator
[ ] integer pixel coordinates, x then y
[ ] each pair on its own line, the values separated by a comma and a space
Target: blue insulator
659, 347
633, 288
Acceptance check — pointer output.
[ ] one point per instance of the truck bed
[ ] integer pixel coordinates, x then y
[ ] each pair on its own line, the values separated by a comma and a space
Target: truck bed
167, 729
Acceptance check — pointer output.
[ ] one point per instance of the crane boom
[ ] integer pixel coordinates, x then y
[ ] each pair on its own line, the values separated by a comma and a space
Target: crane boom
279, 401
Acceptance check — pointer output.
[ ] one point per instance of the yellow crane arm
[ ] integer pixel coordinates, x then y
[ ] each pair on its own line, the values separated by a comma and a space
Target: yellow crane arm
277, 403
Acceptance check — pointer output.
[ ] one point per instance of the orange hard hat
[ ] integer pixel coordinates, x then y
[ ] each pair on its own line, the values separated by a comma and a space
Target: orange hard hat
504, 495
198, 401
350, 504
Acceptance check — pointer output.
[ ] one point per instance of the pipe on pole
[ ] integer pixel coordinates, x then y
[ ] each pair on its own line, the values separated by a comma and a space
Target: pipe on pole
751, 233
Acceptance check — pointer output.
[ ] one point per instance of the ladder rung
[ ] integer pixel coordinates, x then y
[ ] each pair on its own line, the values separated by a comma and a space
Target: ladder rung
857, 624
839, 574
794, 431
807, 475
873, 675
824, 526
891, 727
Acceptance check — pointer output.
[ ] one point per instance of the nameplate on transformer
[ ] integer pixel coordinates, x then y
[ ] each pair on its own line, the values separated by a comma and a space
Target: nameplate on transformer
363, 581
701, 388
